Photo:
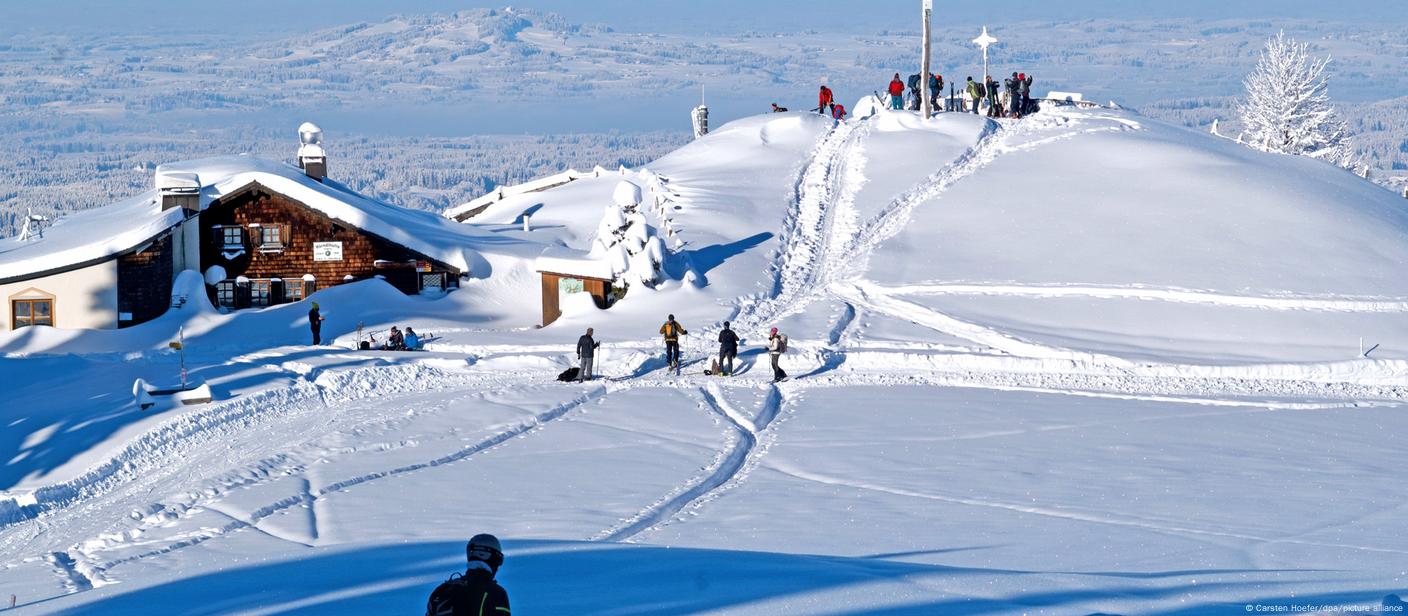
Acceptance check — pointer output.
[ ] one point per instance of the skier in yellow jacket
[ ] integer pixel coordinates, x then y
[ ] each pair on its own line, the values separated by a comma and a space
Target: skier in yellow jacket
672, 330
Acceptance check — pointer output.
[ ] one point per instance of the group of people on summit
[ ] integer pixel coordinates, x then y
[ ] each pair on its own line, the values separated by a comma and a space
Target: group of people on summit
671, 330
1010, 99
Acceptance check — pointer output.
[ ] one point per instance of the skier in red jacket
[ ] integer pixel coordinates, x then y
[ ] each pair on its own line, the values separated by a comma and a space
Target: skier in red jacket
896, 93
824, 100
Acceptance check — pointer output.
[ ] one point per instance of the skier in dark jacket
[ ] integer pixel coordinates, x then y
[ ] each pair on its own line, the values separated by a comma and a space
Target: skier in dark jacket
936, 90
474, 593
1014, 98
776, 109
728, 350
1027, 94
914, 94
586, 351
994, 107
672, 330
315, 323
896, 91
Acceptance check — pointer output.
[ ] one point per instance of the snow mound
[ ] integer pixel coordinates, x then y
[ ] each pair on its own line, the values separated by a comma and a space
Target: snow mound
1096, 197
626, 194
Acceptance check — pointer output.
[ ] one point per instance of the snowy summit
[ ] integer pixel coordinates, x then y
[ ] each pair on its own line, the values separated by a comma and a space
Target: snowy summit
1077, 362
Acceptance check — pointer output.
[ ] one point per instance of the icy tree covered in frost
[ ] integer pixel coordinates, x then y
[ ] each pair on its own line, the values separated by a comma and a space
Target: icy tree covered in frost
1288, 108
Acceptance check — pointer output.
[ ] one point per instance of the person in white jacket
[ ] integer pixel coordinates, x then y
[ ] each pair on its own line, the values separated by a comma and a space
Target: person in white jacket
777, 345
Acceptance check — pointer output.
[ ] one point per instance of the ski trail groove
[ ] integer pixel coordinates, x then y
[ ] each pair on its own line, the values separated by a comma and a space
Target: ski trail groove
723, 473
806, 244
1068, 514
274, 467
1174, 295
67, 568
528, 426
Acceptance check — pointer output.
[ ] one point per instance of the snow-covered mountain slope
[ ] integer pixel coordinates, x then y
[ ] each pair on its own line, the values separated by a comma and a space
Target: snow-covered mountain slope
1081, 362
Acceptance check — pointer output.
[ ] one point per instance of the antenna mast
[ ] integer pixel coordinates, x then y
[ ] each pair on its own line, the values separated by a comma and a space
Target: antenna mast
926, 108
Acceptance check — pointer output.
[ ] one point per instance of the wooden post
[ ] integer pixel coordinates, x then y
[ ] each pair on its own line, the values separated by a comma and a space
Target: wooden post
926, 108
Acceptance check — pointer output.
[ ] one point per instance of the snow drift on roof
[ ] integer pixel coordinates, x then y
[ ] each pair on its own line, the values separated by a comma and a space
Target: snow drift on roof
108, 231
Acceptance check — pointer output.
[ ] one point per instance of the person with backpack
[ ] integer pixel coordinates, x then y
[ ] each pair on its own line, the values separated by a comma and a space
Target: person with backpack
914, 94
976, 93
672, 331
1028, 104
824, 100
936, 91
728, 350
777, 345
896, 93
838, 111
1014, 100
994, 107
586, 351
474, 593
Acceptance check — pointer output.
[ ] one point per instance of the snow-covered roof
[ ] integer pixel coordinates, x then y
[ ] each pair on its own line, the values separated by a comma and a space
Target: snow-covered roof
96, 234
561, 260
88, 236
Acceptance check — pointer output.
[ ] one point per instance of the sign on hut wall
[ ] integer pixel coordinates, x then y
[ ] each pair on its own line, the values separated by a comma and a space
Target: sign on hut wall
568, 286
327, 251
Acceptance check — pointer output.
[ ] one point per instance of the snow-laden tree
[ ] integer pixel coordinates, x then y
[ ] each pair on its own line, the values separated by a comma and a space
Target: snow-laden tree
1288, 107
627, 242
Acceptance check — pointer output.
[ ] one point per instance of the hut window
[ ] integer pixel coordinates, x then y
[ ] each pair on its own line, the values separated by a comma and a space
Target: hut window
259, 292
293, 290
225, 293
28, 312
272, 237
232, 237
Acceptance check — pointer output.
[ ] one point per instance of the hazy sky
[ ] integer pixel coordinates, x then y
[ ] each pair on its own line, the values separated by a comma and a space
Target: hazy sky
247, 16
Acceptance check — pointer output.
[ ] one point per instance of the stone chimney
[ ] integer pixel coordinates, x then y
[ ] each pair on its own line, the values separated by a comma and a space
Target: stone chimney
311, 157
178, 189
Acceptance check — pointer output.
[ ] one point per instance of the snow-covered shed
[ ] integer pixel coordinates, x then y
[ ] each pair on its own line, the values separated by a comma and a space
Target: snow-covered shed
566, 271
272, 231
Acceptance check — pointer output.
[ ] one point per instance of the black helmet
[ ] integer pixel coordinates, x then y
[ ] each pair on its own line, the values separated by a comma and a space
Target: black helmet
485, 548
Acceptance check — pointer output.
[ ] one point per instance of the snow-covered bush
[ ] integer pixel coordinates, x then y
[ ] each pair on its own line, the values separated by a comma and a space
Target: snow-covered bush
1288, 107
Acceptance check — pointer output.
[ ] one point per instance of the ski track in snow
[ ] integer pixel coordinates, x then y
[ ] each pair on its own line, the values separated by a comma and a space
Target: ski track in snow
1139, 292
1107, 518
169, 448
729, 468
